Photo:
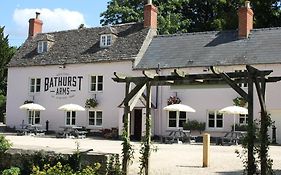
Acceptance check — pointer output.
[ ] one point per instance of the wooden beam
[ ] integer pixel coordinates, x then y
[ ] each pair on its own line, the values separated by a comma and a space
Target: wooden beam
120, 76
179, 73
148, 74
133, 92
134, 100
231, 83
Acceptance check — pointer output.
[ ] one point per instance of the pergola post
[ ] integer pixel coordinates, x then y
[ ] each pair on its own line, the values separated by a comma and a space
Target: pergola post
250, 146
126, 134
147, 127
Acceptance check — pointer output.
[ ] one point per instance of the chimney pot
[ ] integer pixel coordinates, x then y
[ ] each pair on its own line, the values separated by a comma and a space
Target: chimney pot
37, 15
247, 4
35, 26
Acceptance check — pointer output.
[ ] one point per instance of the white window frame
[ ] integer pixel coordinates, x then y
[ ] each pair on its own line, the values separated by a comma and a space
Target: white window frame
96, 83
95, 118
216, 113
244, 117
70, 118
177, 120
105, 40
34, 88
33, 116
42, 46
245, 85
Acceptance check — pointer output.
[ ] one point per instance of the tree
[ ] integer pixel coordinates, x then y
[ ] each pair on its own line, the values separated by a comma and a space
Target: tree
6, 53
176, 16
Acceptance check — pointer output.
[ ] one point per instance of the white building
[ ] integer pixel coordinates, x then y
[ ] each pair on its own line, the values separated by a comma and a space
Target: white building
53, 69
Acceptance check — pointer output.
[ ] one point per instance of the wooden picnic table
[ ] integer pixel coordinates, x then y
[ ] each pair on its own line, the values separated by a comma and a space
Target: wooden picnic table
72, 132
177, 136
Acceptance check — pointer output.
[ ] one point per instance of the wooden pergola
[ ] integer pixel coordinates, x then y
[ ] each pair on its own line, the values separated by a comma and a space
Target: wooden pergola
252, 77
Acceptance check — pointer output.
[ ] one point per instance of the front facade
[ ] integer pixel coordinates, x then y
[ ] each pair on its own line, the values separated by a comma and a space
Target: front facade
54, 69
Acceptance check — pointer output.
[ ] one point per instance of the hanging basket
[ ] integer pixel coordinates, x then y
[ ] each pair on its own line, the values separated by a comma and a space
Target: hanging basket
91, 103
173, 100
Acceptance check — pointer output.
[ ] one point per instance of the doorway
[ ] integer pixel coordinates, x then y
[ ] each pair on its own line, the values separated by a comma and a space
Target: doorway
137, 124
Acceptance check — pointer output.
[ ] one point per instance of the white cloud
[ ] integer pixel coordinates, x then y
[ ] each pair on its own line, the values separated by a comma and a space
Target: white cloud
53, 20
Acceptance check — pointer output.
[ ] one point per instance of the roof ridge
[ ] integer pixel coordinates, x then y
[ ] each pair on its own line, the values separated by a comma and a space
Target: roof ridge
90, 28
195, 33
267, 28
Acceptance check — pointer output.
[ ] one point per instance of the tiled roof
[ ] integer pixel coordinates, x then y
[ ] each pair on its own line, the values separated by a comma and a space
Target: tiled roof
83, 46
213, 48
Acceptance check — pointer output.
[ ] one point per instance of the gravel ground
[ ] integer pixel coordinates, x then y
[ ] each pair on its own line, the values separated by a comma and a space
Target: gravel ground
170, 159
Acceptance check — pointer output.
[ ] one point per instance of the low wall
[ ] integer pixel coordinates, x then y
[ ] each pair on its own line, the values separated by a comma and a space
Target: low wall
25, 159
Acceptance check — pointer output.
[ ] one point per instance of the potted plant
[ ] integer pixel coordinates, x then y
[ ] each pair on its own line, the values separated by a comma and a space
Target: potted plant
194, 125
91, 103
239, 101
173, 100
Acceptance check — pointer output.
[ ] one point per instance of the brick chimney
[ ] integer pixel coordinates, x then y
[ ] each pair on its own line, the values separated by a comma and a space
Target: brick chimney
35, 26
245, 17
150, 15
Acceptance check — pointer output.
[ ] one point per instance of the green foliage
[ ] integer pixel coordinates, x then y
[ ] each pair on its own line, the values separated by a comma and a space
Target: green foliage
194, 125
91, 103
173, 100
176, 16
64, 170
4, 144
240, 127
6, 53
257, 151
239, 101
11, 171
114, 166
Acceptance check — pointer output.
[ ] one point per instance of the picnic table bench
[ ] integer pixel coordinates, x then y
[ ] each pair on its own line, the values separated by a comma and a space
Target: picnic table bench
31, 130
72, 132
177, 136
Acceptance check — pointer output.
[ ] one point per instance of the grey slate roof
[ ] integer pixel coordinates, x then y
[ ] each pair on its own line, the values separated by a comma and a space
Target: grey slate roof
213, 48
82, 46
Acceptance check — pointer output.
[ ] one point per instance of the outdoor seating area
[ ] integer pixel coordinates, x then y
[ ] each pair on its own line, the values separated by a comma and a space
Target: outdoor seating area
178, 136
72, 132
31, 130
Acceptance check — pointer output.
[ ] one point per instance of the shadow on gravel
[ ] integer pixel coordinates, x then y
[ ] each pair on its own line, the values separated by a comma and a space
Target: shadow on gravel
231, 172
277, 172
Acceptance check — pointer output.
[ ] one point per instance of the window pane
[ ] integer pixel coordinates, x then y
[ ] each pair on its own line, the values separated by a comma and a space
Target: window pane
37, 117
211, 120
172, 123
182, 118
67, 118
38, 84
219, 120
32, 85
93, 83
103, 40
108, 40
91, 117
172, 119
99, 118
30, 117
45, 46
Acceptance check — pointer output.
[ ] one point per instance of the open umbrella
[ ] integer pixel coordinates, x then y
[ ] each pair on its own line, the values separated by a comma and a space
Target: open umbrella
234, 110
71, 107
179, 107
32, 107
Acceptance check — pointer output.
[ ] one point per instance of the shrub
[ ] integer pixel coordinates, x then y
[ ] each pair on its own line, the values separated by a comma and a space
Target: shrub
4, 144
194, 125
11, 171
64, 170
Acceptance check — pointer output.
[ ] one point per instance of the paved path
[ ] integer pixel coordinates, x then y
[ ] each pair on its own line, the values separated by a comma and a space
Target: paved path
170, 159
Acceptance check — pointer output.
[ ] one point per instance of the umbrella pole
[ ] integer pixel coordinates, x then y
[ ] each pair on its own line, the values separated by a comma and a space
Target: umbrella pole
33, 117
234, 123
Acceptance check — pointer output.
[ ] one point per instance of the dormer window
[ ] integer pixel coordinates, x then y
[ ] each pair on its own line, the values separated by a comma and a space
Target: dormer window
42, 46
105, 40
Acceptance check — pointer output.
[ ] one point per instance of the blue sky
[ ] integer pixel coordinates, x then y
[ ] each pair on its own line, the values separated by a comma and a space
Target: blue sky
56, 15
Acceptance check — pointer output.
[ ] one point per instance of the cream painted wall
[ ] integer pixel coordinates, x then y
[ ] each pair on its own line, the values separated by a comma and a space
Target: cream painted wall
202, 100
